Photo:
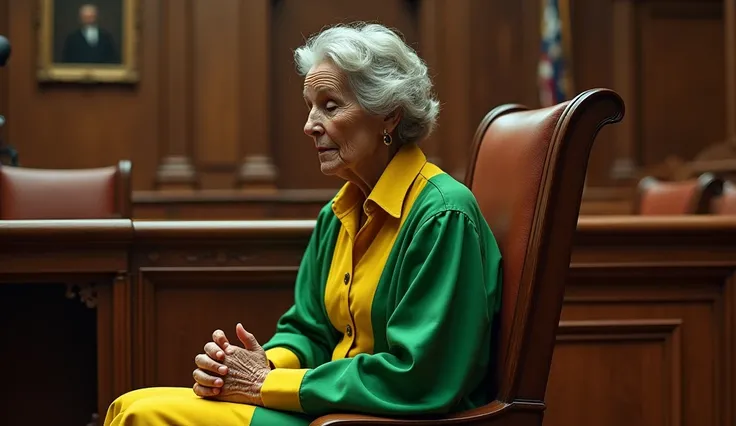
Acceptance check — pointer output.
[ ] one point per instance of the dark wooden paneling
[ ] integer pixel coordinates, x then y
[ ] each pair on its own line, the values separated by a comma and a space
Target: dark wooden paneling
70, 126
54, 281
593, 66
256, 297
4, 82
681, 57
63, 332
219, 105
657, 360
646, 334
648, 376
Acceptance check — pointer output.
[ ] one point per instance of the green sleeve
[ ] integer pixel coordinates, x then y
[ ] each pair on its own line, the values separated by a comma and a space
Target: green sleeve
304, 337
438, 333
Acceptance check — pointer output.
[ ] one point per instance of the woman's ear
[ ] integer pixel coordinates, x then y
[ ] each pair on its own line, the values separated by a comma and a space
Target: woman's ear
392, 120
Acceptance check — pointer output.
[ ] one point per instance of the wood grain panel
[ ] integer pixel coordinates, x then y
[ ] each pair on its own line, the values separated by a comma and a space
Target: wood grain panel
681, 56
69, 125
177, 76
254, 296
651, 295
646, 336
216, 49
176, 104
615, 367
454, 86
497, 55
593, 66
429, 18
729, 19
4, 23
257, 169
219, 106
67, 288
64, 332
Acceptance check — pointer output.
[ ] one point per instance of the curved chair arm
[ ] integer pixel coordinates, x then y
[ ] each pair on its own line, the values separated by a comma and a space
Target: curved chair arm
496, 412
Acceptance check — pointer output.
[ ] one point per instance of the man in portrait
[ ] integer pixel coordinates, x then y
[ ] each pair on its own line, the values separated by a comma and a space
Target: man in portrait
89, 44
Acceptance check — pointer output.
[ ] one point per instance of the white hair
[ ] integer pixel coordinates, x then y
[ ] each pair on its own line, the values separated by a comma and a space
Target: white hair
383, 71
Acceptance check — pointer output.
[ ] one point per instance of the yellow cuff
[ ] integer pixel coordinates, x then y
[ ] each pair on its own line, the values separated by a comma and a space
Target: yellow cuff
283, 358
280, 390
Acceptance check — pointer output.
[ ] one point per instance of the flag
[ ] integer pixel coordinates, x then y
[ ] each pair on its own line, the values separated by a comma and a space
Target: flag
554, 72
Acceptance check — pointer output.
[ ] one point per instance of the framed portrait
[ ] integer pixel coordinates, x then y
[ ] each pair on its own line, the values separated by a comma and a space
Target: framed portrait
92, 41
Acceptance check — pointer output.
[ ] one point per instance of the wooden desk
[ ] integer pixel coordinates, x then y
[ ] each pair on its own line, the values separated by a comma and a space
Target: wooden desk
65, 314
194, 277
646, 337
648, 331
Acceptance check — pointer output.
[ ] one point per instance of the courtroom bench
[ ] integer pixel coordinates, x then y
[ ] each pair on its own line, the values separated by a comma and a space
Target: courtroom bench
225, 204
646, 334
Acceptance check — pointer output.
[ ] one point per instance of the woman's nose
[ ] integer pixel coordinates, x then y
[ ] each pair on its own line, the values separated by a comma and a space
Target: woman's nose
312, 128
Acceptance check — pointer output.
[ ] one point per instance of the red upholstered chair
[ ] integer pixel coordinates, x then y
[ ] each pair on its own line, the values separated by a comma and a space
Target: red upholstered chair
100, 193
527, 171
726, 203
693, 196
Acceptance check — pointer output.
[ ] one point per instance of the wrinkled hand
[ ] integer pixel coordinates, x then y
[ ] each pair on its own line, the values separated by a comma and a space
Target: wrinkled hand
230, 373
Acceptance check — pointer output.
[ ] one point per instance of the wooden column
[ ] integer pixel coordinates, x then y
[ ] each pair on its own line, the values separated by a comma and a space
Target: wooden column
4, 72
454, 84
176, 169
428, 45
625, 83
729, 10
257, 169
531, 15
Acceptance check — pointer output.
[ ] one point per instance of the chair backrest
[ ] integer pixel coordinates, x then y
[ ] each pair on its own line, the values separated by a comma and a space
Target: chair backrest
726, 203
663, 198
527, 171
99, 193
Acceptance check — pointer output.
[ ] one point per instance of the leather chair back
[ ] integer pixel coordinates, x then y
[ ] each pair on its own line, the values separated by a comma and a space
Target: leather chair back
527, 172
726, 203
99, 193
663, 198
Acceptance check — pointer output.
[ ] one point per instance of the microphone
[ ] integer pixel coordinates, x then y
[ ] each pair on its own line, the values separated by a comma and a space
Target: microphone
4, 51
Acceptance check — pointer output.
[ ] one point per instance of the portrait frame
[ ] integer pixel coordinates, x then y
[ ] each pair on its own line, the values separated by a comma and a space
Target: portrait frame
126, 71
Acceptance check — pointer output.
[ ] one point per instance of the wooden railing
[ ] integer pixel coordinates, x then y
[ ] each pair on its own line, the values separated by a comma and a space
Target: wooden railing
92, 309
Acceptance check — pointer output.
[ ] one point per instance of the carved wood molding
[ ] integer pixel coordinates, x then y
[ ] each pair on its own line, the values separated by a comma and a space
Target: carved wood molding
667, 332
149, 280
66, 232
87, 294
729, 12
615, 329
604, 245
176, 168
703, 9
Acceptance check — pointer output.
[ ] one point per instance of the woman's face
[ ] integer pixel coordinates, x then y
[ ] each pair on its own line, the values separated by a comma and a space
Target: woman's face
346, 137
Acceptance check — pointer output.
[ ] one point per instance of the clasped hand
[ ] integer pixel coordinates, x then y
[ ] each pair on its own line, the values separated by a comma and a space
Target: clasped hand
230, 373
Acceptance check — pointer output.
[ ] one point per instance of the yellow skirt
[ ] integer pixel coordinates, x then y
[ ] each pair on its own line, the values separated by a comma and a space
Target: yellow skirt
180, 406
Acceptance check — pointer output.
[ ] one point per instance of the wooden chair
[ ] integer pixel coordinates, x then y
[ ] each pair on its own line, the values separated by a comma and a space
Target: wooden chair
726, 203
692, 196
527, 171
99, 193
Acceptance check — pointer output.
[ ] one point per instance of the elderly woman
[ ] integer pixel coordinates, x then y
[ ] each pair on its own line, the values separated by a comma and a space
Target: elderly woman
400, 281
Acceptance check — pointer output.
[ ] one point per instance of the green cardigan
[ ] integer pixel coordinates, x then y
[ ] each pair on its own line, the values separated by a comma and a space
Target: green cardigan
430, 311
